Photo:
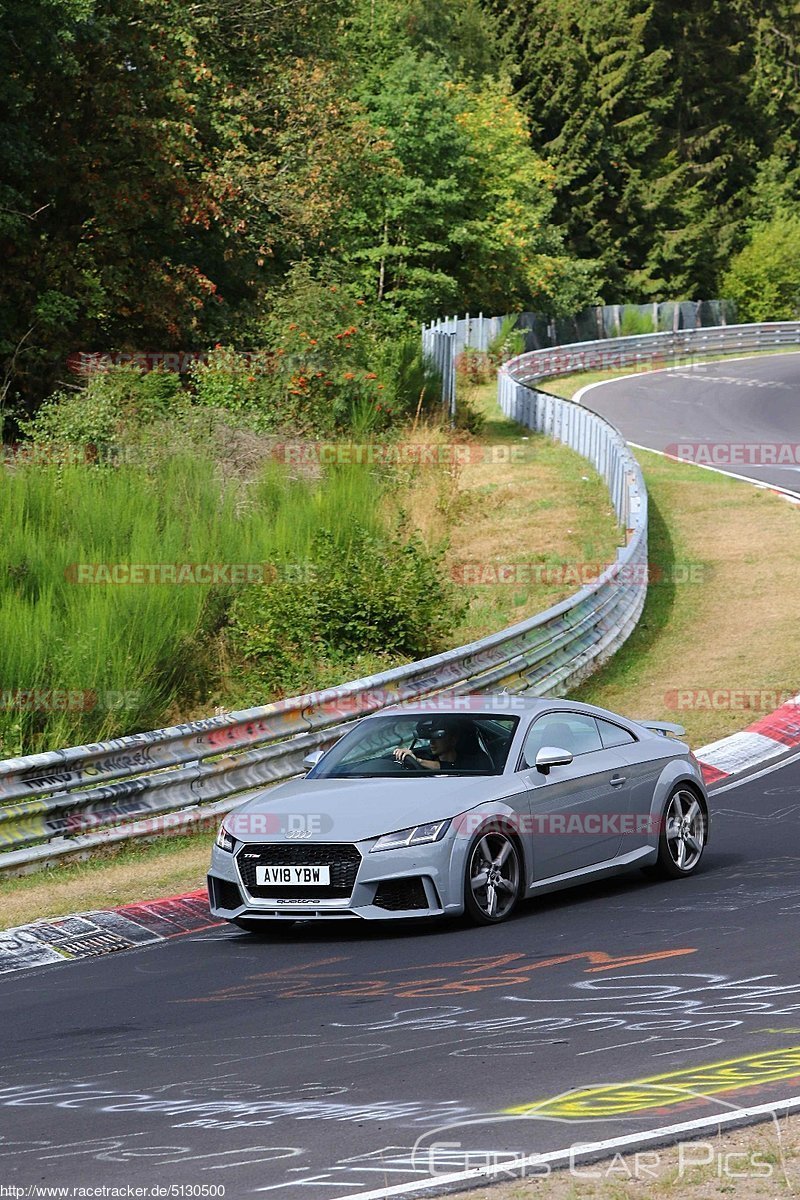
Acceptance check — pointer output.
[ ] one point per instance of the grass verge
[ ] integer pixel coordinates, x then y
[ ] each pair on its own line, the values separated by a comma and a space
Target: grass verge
761, 1161
716, 645
139, 871
528, 508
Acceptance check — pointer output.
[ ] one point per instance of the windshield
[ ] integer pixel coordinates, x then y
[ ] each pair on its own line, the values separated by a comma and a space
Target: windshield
413, 746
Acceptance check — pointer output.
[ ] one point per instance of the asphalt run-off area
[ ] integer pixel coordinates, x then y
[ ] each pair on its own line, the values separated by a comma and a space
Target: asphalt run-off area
330, 1062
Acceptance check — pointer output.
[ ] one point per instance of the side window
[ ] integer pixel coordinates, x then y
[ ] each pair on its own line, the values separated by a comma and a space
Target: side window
569, 731
613, 735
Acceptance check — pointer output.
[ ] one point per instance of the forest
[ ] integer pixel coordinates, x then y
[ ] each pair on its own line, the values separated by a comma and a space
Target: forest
178, 177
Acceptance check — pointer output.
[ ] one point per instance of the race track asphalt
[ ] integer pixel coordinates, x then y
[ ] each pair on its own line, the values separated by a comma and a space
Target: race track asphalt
736, 408
312, 1063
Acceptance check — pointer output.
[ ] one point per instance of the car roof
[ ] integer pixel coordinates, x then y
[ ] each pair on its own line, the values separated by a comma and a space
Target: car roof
489, 704
496, 704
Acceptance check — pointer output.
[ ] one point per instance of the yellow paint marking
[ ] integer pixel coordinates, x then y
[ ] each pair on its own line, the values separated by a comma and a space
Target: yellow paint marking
658, 1091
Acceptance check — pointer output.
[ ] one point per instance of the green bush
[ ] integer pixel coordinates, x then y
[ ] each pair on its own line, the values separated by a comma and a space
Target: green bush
764, 278
634, 322
507, 343
108, 410
373, 595
473, 366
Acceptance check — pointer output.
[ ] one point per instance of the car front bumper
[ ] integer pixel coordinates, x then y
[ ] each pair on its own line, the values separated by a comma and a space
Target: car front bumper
418, 882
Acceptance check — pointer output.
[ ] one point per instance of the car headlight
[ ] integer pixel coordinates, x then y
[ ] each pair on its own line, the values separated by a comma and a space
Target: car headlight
224, 840
417, 835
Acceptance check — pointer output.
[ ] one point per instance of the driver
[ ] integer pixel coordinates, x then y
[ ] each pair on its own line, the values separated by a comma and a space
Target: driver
444, 736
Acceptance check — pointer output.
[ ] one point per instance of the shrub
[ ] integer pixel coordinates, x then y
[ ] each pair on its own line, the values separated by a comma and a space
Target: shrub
374, 594
473, 366
112, 406
764, 278
507, 343
413, 386
634, 322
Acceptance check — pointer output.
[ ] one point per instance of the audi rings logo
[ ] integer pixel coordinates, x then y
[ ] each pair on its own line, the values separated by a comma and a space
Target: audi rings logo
273, 825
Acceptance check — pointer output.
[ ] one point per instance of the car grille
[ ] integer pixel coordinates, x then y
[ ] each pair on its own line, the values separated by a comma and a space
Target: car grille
397, 895
343, 861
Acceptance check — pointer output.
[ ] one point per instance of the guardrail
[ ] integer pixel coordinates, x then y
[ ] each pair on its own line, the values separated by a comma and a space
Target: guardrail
64, 803
617, 353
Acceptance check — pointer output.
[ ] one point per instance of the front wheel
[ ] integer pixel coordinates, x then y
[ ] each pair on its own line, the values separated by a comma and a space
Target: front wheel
683, 836
493, 878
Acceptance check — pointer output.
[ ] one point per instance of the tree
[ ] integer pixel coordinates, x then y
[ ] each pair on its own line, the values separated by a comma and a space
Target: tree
162, 172
764, 278
645, 110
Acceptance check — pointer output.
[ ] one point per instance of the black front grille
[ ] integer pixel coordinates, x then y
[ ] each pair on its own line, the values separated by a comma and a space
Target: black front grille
224, 894
397, 895
343, 860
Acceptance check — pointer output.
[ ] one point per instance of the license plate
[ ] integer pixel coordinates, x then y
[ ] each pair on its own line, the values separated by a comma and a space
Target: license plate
293, 876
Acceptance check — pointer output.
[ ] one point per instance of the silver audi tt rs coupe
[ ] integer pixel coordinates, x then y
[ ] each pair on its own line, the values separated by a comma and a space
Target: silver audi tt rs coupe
462, 804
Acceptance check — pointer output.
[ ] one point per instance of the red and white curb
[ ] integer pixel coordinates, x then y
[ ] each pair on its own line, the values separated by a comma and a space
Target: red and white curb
91, 934
766, 739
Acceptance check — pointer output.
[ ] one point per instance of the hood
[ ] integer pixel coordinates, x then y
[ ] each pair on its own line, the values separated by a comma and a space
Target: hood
354, 810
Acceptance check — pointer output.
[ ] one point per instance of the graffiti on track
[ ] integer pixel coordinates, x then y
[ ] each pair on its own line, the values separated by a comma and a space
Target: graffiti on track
330, 977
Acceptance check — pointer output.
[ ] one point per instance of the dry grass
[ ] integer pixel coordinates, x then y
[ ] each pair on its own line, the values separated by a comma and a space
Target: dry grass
762, 1163
731, 626
169, 867
530, 502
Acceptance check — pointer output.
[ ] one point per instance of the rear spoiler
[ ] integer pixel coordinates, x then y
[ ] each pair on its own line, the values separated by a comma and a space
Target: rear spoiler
665, 728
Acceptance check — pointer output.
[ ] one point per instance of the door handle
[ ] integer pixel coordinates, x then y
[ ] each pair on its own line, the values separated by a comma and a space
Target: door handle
617, 780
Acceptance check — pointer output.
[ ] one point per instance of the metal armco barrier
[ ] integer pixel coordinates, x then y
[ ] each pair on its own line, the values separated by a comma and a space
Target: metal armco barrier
67, 802
618, 353
439, 345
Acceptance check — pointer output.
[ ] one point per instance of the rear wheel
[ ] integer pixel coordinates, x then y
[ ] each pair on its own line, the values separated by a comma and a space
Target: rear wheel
493, 878
683, 836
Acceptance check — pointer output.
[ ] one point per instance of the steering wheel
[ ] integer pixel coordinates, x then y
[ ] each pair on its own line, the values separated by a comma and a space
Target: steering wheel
412, 764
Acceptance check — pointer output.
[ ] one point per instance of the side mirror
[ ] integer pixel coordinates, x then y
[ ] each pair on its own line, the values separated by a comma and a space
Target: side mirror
552, 756
312, 758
